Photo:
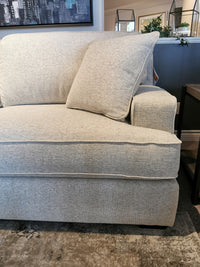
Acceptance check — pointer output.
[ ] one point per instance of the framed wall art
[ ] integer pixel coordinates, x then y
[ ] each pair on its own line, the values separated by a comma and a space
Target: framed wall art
145, 20
45, 12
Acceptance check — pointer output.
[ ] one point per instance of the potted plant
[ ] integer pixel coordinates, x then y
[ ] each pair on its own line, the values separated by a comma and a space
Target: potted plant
166, 31
155, 25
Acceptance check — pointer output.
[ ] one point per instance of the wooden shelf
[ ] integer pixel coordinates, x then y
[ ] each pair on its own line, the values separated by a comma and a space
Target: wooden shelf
193, 90
190, 159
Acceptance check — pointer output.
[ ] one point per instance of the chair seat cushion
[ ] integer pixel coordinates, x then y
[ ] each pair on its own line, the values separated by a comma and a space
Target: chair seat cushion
53, 141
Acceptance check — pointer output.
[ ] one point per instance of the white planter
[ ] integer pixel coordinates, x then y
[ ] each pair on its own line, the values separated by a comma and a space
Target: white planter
183, 31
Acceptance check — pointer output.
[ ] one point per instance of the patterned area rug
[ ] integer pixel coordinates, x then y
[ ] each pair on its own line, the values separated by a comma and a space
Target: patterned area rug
71, 244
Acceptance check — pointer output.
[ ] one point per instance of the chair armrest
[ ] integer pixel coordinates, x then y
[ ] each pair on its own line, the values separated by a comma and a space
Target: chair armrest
153, 107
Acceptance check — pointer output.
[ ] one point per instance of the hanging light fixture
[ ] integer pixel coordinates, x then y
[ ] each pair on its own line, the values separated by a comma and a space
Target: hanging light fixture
125, 20
184, 17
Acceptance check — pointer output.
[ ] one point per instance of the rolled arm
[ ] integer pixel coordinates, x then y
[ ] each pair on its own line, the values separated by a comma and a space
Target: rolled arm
153, 107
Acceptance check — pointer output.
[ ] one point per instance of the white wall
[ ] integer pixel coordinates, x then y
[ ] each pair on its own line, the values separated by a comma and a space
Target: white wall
98, 18
141, 7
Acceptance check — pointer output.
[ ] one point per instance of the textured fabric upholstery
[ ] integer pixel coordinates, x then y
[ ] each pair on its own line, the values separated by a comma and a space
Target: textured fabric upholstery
58, 164
40, 67
148, 73
53, 141
153, 107
110, 74
89, 200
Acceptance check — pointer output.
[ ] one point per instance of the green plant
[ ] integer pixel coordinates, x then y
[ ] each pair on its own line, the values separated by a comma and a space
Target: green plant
155, 25
184, 24
166, 30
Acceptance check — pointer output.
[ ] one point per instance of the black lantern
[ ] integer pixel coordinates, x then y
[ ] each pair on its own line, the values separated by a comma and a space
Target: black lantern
184, 18
125, 20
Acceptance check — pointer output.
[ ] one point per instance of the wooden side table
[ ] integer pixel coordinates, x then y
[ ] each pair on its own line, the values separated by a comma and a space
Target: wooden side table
194, 91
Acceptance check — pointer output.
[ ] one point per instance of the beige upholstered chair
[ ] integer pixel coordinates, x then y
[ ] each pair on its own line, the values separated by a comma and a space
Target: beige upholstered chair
73, 164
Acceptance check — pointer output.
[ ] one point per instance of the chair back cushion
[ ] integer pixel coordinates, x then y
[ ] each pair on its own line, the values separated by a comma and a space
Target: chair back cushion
40, 67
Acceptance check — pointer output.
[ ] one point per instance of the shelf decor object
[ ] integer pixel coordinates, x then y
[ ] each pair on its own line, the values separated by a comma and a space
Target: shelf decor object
45, 13
145, 20
125, 20
184, 18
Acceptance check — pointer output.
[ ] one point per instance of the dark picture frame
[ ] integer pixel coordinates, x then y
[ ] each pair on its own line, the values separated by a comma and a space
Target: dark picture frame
34, 13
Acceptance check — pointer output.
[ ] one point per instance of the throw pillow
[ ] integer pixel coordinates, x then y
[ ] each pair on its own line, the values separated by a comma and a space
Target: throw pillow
110, 74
